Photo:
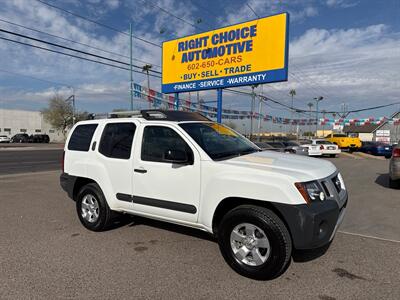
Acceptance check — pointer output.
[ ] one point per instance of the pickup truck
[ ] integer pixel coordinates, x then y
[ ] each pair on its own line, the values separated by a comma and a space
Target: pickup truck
181, 167
344, 141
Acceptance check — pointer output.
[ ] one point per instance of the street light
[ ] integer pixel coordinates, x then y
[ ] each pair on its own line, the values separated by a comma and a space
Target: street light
146, 68
72, 99
317, 100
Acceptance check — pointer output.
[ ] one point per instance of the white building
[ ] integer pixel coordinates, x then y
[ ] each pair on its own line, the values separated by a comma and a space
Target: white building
14, 121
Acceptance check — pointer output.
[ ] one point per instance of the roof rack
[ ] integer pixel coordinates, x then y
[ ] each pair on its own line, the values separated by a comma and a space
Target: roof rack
153, 114
172, 115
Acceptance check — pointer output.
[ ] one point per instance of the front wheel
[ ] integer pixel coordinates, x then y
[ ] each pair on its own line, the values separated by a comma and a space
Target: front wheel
92, 208
255, 242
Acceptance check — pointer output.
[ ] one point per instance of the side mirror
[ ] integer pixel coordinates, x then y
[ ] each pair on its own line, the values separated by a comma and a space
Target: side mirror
176, 157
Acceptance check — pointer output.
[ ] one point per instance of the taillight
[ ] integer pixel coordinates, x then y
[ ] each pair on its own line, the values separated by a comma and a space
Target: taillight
62, 161
321, 147
396, 152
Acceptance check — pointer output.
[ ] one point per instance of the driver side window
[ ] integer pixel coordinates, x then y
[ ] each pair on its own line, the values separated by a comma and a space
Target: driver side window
157, 140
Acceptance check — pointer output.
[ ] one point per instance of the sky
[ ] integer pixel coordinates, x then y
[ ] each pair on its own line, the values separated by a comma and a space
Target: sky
347, 51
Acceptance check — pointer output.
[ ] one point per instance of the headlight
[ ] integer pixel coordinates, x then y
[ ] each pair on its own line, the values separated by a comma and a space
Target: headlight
311, 191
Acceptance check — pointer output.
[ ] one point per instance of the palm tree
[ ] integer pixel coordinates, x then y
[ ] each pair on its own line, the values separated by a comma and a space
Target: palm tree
292, 93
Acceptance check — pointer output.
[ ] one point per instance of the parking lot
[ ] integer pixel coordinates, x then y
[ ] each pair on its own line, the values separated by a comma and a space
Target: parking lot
46, 253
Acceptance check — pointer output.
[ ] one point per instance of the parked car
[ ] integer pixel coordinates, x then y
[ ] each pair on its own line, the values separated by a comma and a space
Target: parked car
4, 139
295, 148
344, 141
377, 148
181, 167
394, 168
20, 138
264, 146
38, 138
326, 147
313, 150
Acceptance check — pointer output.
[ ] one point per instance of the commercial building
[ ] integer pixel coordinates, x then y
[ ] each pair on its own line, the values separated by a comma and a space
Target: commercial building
29, 122
387, 132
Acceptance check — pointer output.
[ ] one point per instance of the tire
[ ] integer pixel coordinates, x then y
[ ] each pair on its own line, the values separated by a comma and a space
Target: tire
88, 194
274, 259
394, 184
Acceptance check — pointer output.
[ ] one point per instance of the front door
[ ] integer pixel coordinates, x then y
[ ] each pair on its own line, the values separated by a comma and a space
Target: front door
161, 187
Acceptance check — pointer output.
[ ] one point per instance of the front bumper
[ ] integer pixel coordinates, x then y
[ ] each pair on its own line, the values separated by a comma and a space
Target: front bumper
314, 225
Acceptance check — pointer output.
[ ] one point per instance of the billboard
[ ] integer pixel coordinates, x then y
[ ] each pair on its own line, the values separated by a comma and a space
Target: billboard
248, 53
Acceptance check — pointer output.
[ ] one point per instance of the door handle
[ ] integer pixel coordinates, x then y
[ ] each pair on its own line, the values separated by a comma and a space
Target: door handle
140, 170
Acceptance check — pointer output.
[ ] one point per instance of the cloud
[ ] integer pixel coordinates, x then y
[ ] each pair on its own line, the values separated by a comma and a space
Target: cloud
299, 10
358, 66
341, 3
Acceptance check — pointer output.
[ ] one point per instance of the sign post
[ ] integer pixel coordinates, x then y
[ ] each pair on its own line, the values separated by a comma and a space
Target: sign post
219, 105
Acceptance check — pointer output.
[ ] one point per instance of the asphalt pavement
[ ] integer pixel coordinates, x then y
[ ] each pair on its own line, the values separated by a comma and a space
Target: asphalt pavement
45, 253
24, 160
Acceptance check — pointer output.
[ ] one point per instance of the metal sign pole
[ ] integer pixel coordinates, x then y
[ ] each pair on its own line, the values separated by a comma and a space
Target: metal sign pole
219, 106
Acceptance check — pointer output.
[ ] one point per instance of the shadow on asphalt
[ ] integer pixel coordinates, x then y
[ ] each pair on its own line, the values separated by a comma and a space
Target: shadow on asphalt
383, 180
132, 221
136, 220
309, 255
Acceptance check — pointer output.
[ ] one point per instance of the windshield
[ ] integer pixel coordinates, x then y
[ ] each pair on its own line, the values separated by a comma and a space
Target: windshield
219, 141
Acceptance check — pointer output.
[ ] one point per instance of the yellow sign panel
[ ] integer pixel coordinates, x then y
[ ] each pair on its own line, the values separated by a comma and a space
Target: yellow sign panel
243, 54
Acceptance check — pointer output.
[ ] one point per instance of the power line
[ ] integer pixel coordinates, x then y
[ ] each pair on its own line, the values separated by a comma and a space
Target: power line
71, 49
171, 14
98, 23
254, 12
72, 41
74, 56
35, 78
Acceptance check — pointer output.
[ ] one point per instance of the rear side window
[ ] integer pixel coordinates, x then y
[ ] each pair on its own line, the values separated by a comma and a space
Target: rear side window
116, 140
81, 137
158, 139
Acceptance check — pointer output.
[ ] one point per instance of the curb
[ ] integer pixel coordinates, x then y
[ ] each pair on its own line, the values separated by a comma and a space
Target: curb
29, 174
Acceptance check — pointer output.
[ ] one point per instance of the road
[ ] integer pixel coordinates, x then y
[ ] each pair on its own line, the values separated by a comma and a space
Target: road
45, 253
29, 160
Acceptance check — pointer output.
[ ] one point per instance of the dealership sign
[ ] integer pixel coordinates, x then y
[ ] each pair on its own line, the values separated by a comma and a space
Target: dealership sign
244, 54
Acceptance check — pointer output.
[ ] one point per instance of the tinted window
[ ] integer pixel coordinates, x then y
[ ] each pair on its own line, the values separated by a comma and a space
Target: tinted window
158, 139
81, 137
116, 140
219, 141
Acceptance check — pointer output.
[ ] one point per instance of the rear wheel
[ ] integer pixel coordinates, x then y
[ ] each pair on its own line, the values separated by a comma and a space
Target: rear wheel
255, 242
92, 208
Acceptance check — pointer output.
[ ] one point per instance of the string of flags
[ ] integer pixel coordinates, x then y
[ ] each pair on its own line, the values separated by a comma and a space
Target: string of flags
164, 101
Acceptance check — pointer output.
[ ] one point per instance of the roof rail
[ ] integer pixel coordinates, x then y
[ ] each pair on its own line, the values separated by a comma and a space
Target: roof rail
124, 114
172, 115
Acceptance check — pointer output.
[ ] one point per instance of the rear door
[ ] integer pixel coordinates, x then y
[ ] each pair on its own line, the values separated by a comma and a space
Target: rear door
160, 187
112, 163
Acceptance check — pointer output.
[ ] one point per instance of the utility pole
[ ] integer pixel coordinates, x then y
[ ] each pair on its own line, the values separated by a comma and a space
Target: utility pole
146, 68
253, 100
259, 118
310, 105
292, 93
130, 63
317, 99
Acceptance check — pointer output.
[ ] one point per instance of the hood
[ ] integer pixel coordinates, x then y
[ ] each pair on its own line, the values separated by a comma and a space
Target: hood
301, 168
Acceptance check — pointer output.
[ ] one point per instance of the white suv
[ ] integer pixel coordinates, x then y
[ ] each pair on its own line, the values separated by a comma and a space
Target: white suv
182, 168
